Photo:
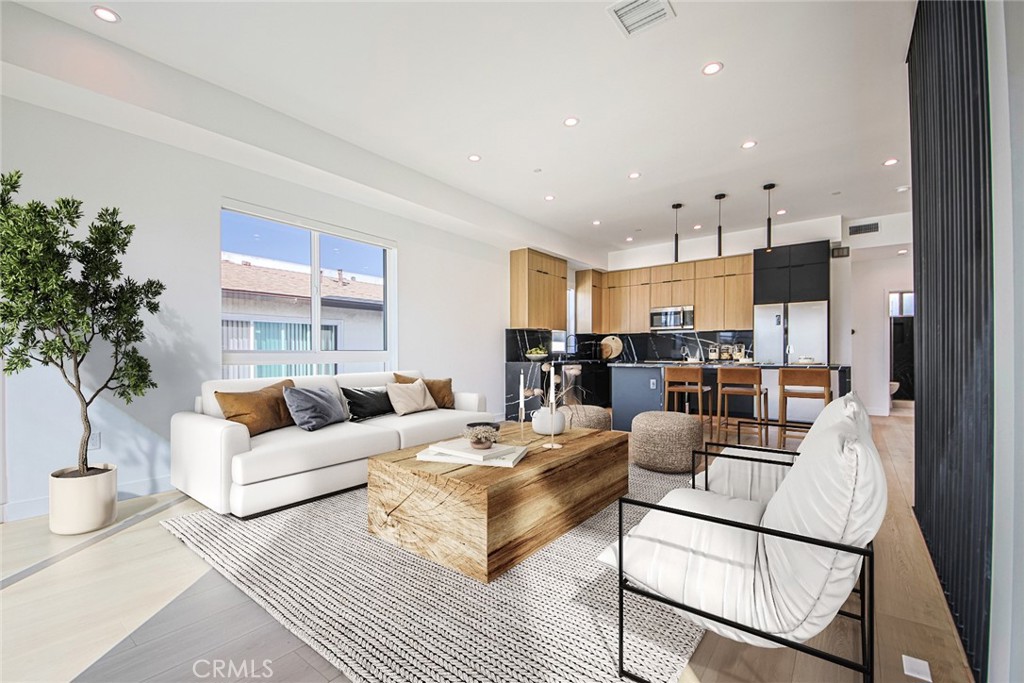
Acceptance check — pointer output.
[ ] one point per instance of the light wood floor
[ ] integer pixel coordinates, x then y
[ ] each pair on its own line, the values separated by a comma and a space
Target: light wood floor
132, 603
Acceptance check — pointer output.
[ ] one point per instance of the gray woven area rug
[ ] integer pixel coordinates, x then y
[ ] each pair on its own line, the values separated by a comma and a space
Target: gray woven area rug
381, 614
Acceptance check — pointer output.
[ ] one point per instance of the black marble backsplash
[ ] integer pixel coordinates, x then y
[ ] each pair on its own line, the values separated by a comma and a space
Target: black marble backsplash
519, 341
637, 348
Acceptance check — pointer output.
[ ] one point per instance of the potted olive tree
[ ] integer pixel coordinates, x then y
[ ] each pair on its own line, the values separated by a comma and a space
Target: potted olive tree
61, 298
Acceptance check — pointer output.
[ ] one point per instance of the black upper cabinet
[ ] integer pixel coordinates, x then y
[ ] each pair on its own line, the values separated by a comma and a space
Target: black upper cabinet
809, 282
795, 272
776, 258
771, 286
809, 252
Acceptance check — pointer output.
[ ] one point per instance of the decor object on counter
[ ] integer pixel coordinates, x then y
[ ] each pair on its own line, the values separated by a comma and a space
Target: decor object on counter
537, 354
587, 417
611, 347
315, 408
440, 389
481, 437
58, 296
664, 441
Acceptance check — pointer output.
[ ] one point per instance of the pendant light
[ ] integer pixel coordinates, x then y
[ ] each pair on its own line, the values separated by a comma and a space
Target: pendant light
676, 207
768, 188
720, 196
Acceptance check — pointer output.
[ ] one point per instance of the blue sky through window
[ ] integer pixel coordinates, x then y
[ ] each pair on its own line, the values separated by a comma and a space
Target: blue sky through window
244, 234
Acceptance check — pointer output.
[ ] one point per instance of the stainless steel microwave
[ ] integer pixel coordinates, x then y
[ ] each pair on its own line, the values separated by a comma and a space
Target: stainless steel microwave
671, 318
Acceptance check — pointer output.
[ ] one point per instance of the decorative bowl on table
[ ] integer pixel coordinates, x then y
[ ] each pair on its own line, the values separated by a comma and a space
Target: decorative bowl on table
536, 357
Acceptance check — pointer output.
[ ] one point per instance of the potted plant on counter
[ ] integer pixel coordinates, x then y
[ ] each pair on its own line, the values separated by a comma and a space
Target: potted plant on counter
60, 299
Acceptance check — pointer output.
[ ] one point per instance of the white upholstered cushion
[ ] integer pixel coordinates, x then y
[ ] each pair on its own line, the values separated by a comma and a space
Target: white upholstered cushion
292, 450
427, 427
848, 406
835, 491
701, 564
744, 479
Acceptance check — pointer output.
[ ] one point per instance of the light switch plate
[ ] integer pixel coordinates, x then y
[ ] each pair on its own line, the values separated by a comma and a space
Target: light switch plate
654, 384
917, 668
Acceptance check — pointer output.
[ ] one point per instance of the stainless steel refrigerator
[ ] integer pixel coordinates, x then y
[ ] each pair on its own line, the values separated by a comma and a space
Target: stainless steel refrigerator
787, 333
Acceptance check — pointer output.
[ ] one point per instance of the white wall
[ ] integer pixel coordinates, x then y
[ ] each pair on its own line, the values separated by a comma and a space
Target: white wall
738, 242
1005, 28
453, 291
873, 278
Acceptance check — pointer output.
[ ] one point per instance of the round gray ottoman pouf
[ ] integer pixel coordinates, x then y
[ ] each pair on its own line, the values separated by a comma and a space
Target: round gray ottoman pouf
664, 441
587, 417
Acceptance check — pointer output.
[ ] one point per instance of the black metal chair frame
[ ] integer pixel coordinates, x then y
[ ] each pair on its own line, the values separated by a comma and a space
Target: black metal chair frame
865, 587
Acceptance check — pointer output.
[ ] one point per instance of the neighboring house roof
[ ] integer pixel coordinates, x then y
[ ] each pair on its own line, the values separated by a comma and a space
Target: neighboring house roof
277, 282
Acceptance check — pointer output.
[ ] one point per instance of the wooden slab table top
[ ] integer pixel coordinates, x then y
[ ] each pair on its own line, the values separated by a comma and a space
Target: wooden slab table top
480, 520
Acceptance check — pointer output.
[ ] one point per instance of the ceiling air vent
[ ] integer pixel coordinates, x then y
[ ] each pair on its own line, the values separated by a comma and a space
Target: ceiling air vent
863, 229
633, 16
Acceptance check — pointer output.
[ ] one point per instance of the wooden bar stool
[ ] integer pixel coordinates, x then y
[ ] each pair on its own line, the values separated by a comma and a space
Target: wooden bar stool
741, 382
686, 381
814, 383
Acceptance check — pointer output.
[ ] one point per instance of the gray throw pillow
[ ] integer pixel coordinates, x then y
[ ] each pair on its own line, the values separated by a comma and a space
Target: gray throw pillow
313, 409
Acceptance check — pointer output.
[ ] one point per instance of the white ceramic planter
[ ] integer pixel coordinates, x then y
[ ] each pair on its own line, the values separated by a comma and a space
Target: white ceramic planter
548, 424
81, 504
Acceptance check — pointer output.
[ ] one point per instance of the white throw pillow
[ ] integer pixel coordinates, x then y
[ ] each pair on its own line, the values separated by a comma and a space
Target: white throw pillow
848, 406
835, 491
410, 398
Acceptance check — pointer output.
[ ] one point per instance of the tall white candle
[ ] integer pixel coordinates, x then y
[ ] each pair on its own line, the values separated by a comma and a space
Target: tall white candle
552, 386
522, 395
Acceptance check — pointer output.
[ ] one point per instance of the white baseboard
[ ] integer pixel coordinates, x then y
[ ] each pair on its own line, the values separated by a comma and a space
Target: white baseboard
36, 507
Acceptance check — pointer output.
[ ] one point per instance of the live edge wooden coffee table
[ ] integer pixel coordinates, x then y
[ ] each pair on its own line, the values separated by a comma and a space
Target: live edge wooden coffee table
482, 521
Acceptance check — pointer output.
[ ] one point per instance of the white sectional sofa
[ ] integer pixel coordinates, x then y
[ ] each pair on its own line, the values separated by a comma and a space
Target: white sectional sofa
216, 462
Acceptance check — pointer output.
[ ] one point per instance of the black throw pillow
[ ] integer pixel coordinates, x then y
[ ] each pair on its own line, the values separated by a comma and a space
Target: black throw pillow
366, 403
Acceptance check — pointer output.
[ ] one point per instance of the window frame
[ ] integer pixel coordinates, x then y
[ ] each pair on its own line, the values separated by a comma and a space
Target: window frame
316, 356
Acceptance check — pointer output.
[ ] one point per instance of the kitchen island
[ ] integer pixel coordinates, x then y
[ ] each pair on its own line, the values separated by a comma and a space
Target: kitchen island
638, 387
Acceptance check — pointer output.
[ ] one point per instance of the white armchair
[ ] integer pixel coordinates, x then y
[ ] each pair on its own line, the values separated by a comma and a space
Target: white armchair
766, 558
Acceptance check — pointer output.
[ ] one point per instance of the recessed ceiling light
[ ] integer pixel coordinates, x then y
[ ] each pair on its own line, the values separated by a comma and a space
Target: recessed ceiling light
597, 222
634, 175
901, 252
571, 121
711, 68
106, 14
890, 162
549, 198
474, 157
780, 212
629, 239
698, 226
836, 193
903, 188
749, 144
537, 170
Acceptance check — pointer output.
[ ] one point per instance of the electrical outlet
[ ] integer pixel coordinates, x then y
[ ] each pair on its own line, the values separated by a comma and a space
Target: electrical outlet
654, 384
94, 441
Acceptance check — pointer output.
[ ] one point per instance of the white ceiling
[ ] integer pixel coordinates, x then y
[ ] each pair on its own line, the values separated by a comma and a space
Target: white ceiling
821, 86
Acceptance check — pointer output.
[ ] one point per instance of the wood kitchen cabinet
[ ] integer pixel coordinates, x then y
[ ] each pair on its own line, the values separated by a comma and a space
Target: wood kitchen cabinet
738, 302
538, 290
616, 278
617, 319
738, 265
712, 267
709, 303
661, 294
683, 271
639, 308
639, 276
662, 274
591, 302
682, 293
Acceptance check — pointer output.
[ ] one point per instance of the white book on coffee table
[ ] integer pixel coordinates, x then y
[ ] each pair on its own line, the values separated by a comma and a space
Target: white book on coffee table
507, 460
461, 448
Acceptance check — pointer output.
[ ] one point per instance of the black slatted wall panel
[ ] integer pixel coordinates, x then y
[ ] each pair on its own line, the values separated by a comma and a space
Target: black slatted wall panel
953, 282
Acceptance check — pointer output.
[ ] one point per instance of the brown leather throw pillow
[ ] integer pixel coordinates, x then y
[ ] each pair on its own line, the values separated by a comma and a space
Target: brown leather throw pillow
260, 411
440, 389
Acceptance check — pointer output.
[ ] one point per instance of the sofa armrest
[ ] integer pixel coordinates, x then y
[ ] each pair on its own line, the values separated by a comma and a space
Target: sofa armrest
202, 448
465, 400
